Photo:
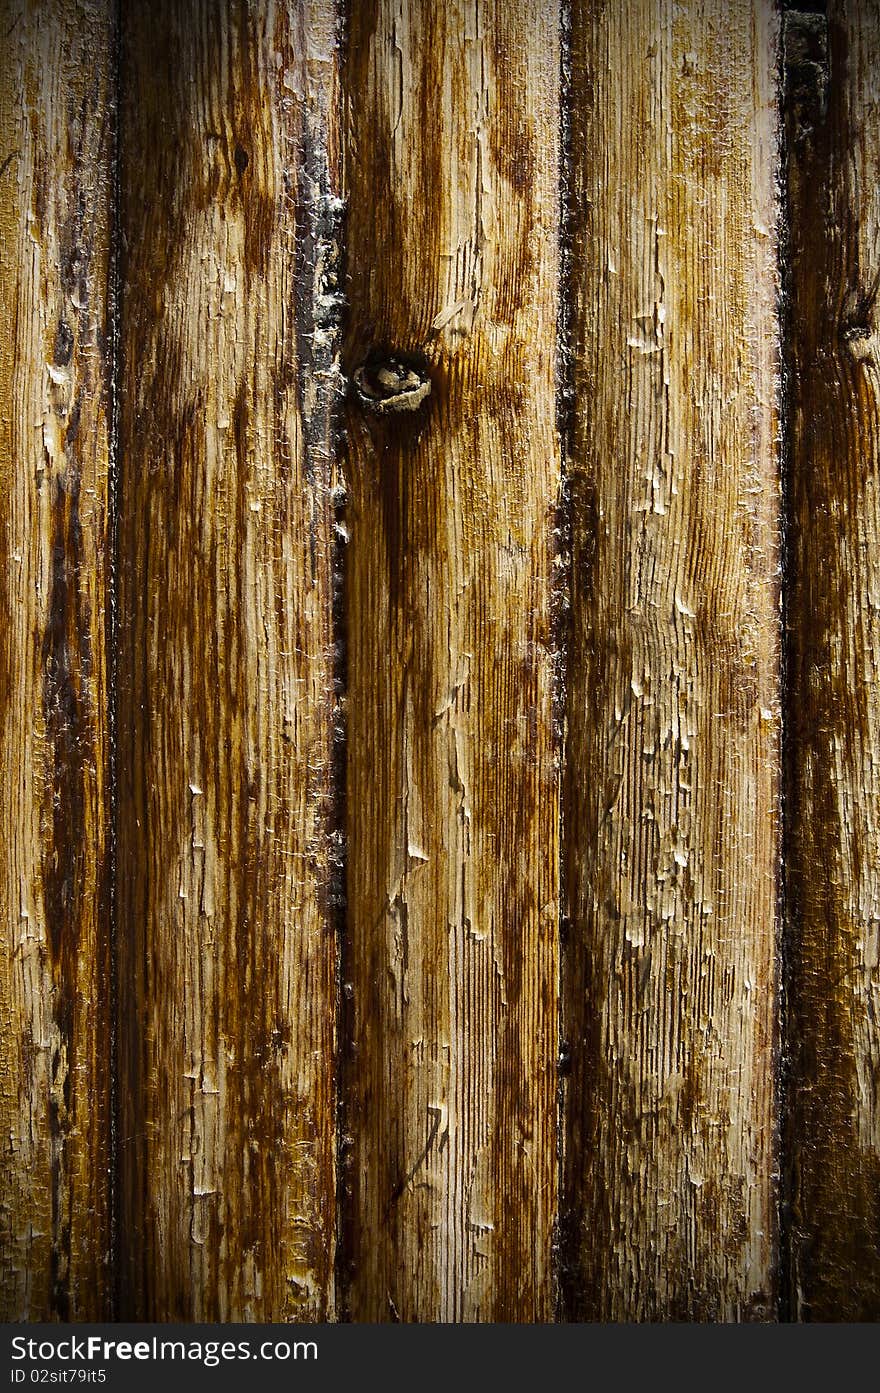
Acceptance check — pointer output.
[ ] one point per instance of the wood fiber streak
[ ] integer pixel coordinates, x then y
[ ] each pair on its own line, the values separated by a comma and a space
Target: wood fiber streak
55, 151
833, 775
452, 156
671, 791
227, 948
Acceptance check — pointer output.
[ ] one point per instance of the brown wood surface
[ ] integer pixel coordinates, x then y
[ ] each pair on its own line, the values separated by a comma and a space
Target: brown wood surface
833, 862
311, 800
227, 945
673, 700
55, 154
452, 149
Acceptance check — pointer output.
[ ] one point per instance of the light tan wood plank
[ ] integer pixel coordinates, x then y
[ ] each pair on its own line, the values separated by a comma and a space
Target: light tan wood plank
833, 144
673, 703
226, 670
452, 150
55, 181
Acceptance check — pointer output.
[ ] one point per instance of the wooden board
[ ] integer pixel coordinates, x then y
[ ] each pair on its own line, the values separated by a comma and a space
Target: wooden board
327, 760
452, 139
227, 944
673, 701
833, 793
55, 153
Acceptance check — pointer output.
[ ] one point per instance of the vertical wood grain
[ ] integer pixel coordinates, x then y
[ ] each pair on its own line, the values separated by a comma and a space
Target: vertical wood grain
451, 178
833, 146
55, 155
673, 706
227, 950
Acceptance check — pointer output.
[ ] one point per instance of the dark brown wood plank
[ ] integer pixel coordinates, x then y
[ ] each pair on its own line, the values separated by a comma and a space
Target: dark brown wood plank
227, 949
833, 795
56, 148
673, 703
452, 148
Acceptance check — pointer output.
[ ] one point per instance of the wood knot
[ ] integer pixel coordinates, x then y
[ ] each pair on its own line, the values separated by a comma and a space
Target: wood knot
857, 330
387, 385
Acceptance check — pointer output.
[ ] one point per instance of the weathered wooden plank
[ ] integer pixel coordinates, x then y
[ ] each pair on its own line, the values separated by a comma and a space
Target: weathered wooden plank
452, 175
672, 756
55, 161
833, 765
227, 948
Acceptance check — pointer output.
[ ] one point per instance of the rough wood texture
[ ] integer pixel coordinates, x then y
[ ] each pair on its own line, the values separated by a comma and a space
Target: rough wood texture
55, 150
452, 176
833, 145
671, 787
227, 949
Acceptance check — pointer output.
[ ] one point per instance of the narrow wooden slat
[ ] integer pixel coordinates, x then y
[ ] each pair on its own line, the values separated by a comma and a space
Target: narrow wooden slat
833, 146
227, 949
452, 174
672, 763
55, 181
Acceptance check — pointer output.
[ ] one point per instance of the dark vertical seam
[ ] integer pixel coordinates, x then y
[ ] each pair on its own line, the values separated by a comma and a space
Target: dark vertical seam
781, 1070
787, 938
112, 656
784, 1079
561, 608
